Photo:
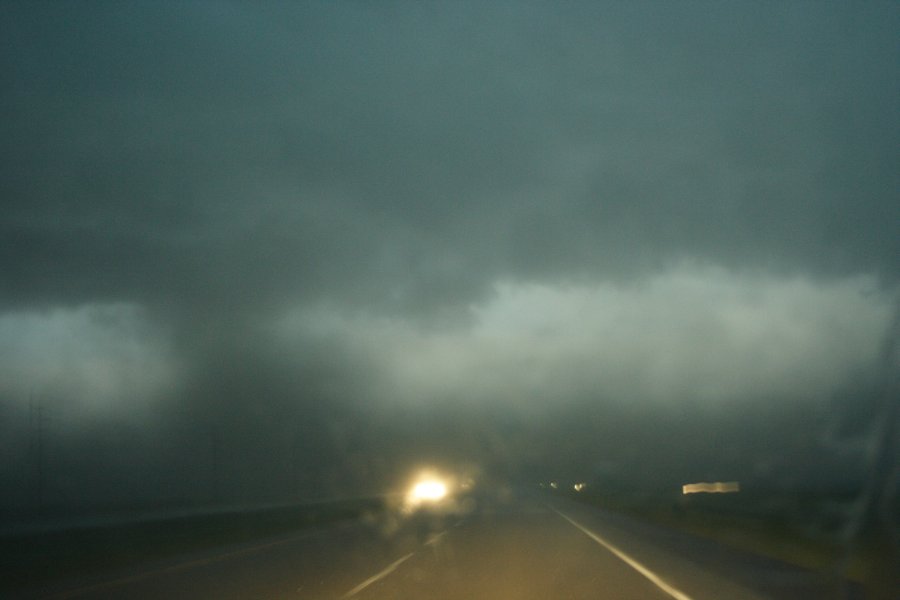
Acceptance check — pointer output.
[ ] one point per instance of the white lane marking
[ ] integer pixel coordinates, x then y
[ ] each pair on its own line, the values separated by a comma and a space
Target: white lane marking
657, 581
377, 576
435, 538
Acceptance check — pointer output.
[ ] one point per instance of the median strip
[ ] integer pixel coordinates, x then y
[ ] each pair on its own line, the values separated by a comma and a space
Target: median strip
182, 566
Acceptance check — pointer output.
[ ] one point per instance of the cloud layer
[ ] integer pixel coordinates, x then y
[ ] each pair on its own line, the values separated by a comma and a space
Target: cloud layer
697, 335
337, 237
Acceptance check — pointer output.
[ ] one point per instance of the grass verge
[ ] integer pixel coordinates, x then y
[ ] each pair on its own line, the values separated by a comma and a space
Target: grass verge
869, 560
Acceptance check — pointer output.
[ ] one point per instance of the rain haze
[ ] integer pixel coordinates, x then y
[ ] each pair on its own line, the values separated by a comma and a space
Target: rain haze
270, 252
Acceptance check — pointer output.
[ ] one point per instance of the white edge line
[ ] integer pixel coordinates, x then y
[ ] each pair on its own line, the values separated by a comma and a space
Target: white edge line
657, 581
377, 576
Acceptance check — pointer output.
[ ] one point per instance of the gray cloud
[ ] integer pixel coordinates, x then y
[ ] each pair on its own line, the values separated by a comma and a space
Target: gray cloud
363, 233
688, 335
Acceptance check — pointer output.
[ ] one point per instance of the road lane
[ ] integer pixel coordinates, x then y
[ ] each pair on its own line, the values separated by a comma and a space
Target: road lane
696, 565
631, 562
529, 554
523, 549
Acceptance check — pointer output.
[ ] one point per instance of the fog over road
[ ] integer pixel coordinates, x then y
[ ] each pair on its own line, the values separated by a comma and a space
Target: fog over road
267, 254
524, 548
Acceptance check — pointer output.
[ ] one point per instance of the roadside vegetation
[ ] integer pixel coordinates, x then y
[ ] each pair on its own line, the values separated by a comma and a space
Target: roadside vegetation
804, 529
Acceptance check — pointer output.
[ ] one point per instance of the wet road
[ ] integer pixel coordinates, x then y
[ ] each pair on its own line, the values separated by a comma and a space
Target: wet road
525, 548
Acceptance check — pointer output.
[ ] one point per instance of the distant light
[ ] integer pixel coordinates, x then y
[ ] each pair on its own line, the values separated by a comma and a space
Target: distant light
717, 487
579, 486
554, 485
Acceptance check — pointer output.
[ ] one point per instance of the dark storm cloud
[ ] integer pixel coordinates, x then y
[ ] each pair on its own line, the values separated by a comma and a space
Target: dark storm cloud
444, 214
507, 138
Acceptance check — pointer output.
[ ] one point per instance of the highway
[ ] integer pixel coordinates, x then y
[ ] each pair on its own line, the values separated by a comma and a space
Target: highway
530, 547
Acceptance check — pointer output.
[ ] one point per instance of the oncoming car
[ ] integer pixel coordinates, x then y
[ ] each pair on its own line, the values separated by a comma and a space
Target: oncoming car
438, 493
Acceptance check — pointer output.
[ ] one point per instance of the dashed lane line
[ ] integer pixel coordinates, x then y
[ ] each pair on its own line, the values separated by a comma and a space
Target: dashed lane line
380, 575
434, 539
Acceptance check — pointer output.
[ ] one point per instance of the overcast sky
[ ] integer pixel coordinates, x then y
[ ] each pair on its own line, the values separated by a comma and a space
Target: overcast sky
329, 240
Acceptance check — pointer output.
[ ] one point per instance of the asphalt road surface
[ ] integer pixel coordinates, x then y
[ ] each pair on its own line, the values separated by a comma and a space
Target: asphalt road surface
528, 547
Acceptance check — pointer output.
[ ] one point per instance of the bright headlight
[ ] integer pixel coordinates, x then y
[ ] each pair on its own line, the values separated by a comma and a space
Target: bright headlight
430, 490
427, 489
